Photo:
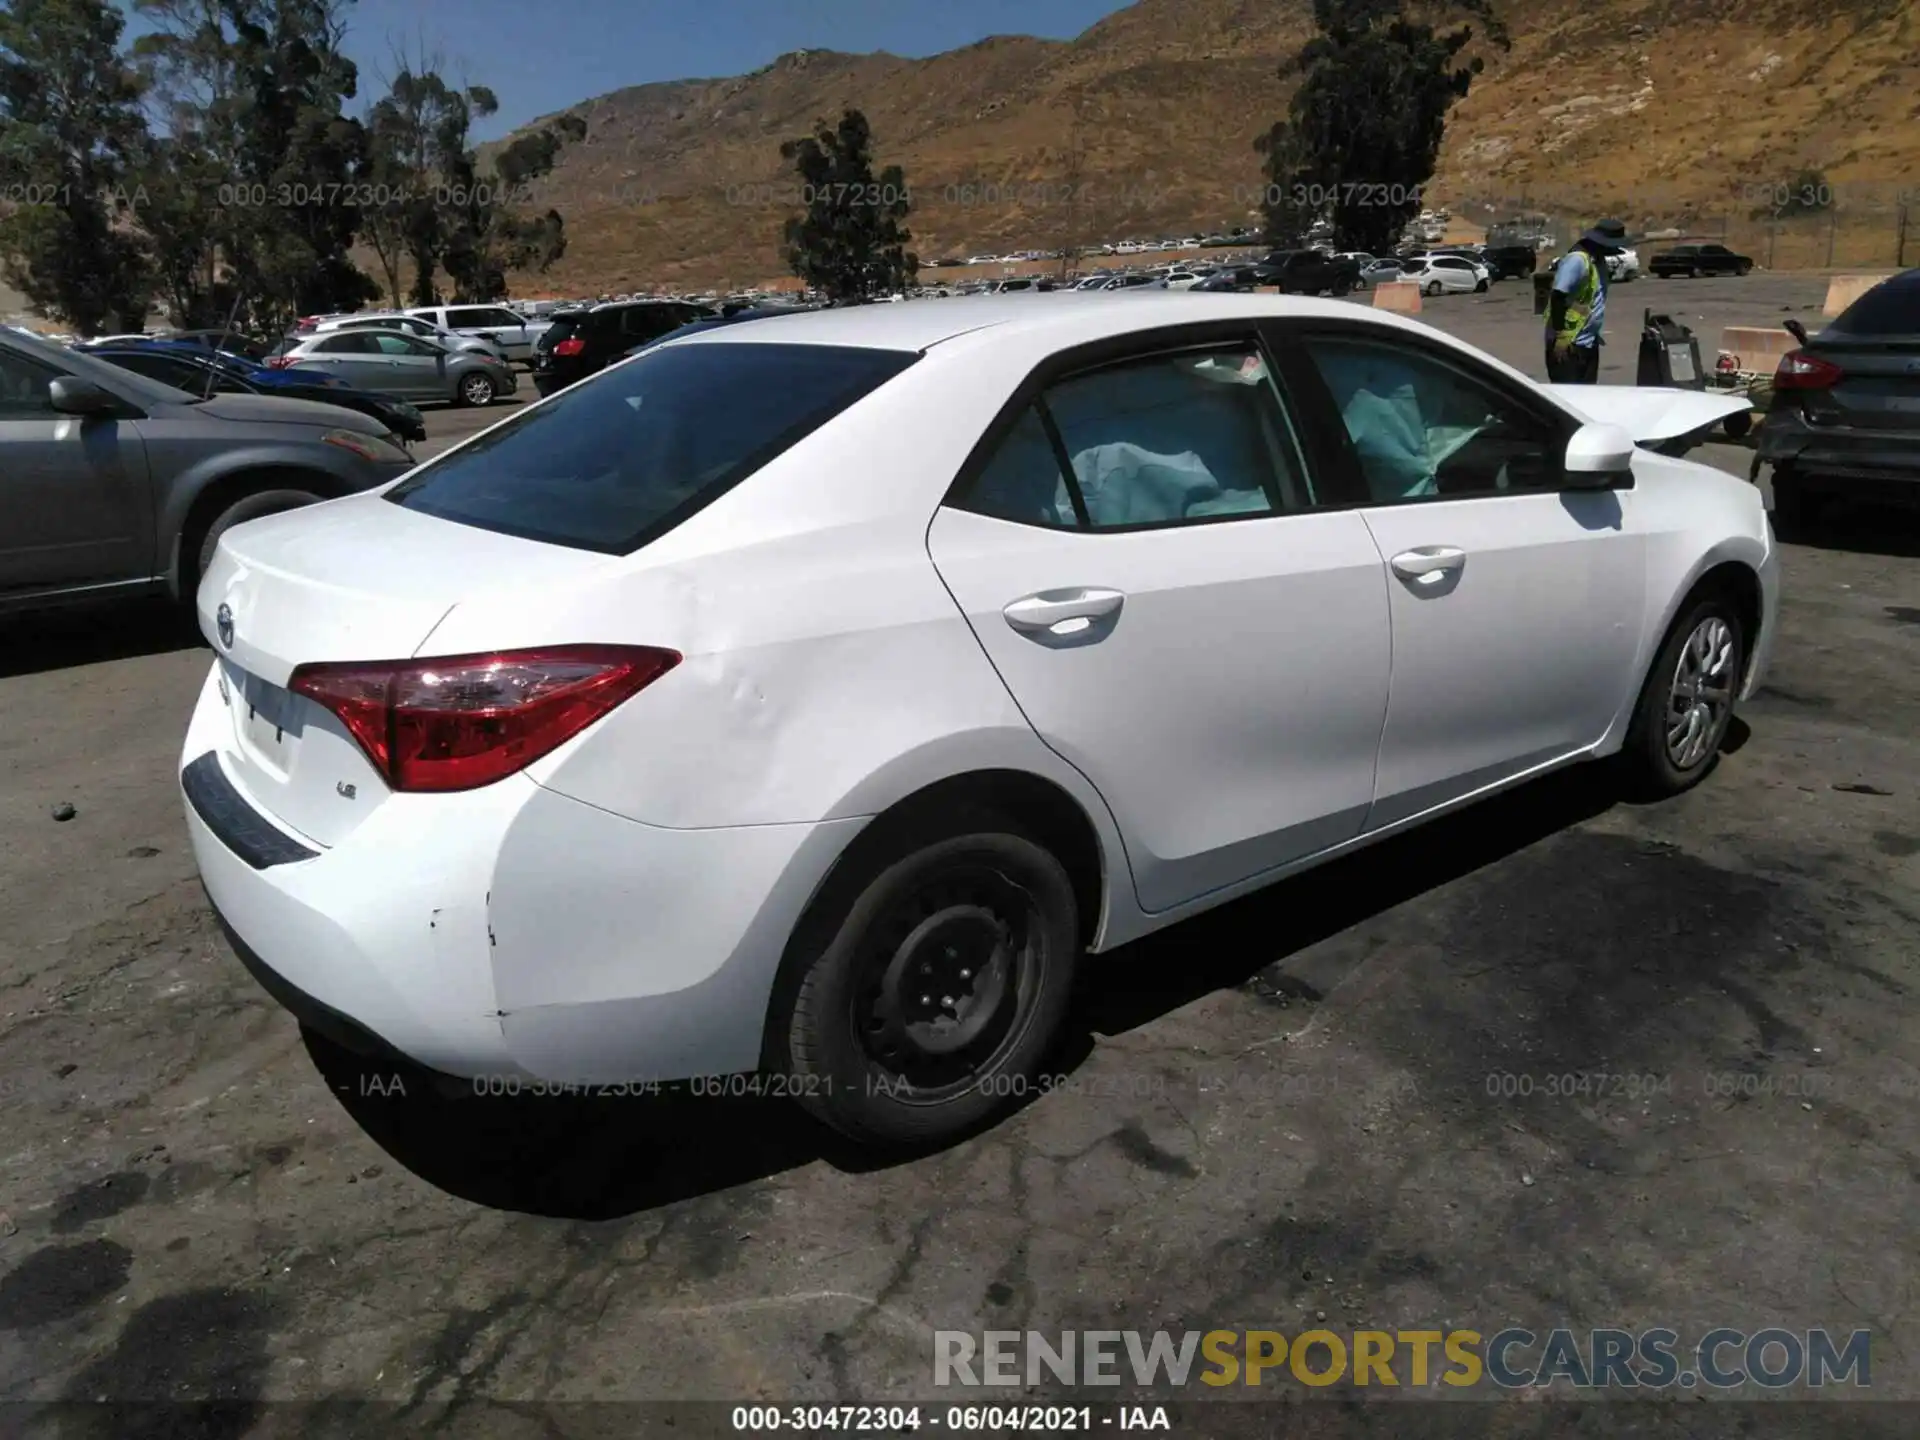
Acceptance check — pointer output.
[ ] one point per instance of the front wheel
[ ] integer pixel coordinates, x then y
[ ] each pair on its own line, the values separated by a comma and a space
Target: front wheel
1743, 269
932, 1007
248, 507
476, 390
1479, 287
1687, 701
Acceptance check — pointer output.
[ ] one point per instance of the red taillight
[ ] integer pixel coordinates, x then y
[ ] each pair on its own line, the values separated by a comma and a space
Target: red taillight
1801, 371
462, 721
570, 347
280, 362
306, 322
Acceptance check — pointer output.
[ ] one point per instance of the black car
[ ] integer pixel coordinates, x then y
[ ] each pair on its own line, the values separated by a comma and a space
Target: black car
230, 341
1307, 272
1845, 416
185, 371
580, 343
1510, 262
731, 316
1692, 260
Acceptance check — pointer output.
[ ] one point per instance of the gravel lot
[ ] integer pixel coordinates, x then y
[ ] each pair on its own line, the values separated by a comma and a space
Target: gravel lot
1286, 1113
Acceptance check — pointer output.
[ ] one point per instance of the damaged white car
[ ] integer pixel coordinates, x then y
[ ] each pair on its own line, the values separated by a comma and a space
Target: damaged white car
816, 697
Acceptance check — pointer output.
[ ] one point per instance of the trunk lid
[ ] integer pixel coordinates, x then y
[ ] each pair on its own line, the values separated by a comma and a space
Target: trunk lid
353, 579
1880, 389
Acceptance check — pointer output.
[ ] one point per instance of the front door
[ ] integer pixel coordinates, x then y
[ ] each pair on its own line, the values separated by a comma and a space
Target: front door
75, 505
1517, 603
414, 368
1141, 558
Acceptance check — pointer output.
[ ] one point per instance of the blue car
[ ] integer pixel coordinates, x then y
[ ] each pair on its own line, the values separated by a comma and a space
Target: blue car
199, 372
257, 376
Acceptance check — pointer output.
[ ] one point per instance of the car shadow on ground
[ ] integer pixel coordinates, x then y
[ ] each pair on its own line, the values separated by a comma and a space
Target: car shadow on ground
31, 644
1860, 529
598, 1157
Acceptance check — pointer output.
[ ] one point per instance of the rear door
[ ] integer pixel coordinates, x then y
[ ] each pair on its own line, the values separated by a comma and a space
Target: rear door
1138, 548
355, 356
496, 323
75, 504
1517, 603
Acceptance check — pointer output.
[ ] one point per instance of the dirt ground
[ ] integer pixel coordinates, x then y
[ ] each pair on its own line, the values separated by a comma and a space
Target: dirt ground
1305, 1109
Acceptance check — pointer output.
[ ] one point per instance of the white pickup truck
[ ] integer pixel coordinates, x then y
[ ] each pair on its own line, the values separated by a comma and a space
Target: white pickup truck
512, 333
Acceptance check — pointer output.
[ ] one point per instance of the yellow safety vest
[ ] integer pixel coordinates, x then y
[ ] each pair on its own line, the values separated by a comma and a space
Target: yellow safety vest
1580, 302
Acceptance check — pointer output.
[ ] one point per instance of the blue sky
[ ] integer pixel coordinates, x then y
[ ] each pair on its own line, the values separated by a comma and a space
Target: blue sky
539, 56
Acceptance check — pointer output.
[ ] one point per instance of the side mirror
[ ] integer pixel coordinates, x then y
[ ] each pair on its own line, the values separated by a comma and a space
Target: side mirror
73, 396
1599, 457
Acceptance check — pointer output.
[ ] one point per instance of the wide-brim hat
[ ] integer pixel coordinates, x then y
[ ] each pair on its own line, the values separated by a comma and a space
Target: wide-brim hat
1606, 235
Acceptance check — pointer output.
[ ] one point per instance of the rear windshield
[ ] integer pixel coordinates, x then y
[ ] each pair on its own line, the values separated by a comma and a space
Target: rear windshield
1890, 308
625, 456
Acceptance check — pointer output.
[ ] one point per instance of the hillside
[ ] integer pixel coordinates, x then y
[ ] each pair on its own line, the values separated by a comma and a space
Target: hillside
1145, 124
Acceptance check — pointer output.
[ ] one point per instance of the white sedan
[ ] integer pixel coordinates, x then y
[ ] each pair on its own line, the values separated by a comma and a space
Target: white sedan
816, 697
1446, 274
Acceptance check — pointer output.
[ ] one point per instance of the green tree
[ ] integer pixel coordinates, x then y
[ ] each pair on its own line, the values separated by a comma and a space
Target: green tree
850, 241
1364, 126
251, 95
439, 205
70, 122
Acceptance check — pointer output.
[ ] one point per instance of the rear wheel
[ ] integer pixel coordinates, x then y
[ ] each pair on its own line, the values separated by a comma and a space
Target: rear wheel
476, 390
247, 507
1434, 287
940, 993
1687, 701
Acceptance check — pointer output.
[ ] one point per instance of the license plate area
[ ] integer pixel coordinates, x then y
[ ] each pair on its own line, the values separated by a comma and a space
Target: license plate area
267, 718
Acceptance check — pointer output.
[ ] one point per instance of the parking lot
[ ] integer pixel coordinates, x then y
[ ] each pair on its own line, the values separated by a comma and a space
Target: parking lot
1563, 1060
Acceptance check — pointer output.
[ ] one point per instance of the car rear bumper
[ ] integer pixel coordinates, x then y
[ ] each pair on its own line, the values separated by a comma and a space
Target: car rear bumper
509, 931
1876, 465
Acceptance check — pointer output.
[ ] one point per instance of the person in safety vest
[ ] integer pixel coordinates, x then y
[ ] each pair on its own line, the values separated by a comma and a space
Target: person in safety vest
1577, 308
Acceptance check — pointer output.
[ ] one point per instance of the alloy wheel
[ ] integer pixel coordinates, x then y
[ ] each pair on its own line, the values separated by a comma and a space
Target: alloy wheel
1700, 699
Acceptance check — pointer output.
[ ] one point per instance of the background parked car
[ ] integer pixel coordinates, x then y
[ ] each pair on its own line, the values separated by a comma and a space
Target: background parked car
112, 484
1692, 260
1844, 421
228, 341
1510, 262
1308, 272
393, 320
718, 322
1380, 272
266, 376
1447, 274
580, 342
1624, 265
514, 334
389, 363
198, 374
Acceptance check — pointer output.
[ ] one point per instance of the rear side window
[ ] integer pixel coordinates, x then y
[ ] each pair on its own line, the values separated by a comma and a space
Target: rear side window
628, 455
1890, 308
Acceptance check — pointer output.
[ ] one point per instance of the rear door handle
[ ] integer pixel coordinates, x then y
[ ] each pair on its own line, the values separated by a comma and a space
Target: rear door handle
1063, 614
1429, 561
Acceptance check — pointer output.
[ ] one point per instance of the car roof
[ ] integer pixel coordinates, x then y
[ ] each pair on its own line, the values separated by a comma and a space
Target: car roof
1075, 316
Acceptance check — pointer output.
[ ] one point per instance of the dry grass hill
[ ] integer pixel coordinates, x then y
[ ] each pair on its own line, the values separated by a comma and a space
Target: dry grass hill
1659, 109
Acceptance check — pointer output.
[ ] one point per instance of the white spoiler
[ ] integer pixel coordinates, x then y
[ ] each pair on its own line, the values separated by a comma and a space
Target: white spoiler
1651, 413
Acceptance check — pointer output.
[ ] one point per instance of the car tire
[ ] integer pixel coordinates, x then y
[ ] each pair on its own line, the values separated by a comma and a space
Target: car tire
476, 390
248, 507
891, 1070
1434, 287
1705, 648
1479, 287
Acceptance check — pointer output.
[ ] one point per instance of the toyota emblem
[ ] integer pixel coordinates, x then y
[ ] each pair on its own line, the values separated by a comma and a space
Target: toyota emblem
223, 622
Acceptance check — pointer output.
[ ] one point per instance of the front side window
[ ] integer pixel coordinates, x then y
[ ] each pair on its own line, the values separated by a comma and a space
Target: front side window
627, 455
1169, 439
1422, 428
25, 387
351, 343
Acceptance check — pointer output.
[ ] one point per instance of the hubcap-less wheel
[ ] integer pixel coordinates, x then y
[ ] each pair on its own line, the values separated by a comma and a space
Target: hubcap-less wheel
1701, 697
947, 982
476, 390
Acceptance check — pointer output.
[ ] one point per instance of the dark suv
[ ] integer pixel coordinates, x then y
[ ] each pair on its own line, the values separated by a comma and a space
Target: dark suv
580, 343
1845, 415
1692, 260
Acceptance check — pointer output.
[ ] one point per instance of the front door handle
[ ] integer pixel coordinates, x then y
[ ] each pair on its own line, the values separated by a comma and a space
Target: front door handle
1063, 614
1429, 561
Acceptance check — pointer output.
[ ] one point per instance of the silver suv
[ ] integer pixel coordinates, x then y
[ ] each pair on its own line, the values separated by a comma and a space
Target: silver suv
112, 484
